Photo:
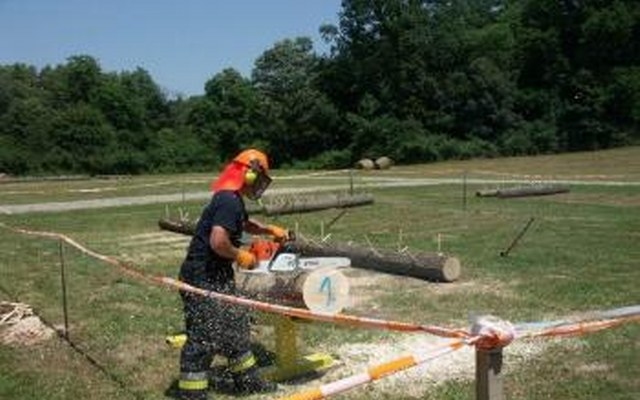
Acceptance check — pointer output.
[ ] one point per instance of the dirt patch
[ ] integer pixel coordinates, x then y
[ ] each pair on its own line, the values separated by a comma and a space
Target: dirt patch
20, 326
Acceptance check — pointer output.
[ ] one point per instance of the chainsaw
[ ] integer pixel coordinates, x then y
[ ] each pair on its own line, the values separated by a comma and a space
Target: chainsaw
274, 256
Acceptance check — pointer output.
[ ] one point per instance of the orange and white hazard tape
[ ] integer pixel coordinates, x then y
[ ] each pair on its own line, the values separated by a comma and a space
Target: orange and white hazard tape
374, 373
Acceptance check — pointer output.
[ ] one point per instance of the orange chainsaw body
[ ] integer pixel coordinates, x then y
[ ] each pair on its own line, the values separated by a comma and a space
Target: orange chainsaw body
274, 256
263, 249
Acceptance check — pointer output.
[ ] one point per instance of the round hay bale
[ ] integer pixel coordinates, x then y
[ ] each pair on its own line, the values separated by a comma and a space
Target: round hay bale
384, 163
365, 163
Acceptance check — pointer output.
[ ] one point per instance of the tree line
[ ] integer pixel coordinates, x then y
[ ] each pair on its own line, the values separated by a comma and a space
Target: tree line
414, 80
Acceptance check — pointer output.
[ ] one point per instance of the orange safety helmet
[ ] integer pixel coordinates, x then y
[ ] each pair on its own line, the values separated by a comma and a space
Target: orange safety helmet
248, 169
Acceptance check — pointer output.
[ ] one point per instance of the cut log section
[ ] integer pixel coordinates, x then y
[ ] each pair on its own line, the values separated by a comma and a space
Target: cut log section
324, 290
429, 266
523, 191
283, 289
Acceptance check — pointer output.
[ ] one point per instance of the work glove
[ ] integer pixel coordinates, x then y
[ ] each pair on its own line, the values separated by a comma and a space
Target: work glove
246, 259
280, 234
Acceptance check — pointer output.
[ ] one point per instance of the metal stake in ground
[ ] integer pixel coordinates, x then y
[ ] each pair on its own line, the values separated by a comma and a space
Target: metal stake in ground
64, 291
517, 238
464, 191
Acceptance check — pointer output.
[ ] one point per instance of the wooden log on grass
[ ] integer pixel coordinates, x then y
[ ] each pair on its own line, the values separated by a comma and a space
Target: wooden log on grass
523, 191
298, 205
302, 204
184, 227
487, 193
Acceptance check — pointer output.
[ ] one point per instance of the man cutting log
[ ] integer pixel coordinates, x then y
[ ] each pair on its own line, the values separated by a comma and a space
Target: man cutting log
214, 327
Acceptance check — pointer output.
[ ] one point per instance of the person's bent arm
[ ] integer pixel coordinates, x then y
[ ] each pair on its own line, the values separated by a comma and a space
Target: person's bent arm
221, 243
255, 227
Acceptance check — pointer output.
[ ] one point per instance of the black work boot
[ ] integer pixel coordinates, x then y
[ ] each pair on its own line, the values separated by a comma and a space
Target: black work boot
249, 381
192, 394
193, 386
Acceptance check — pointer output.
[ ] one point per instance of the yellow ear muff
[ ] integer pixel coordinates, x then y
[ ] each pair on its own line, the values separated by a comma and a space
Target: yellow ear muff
250, 177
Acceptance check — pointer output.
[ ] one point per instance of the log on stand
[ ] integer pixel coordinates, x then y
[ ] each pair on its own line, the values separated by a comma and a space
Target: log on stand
283, 289
323, 290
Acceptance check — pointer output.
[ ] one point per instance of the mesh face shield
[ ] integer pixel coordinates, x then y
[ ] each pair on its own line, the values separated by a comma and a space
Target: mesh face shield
260, 183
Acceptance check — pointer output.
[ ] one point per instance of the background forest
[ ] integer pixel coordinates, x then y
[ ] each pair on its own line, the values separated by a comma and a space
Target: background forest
414, 80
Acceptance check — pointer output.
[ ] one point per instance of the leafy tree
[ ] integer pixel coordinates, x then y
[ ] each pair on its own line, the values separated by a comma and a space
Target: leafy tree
123, 109
82, 76
299, 121
80, 137
231, 107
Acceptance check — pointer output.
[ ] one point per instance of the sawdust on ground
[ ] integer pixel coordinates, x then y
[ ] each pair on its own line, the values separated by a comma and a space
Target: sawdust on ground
20, 326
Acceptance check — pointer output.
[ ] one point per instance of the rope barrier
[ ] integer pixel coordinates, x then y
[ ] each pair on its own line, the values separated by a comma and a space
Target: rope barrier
531, 329
491, 332
344, 319
580, 328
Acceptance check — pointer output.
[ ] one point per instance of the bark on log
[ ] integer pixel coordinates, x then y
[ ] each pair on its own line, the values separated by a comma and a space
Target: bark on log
310, 204
283, 289
429, 266
523, 191
487, 193
302, 289
302, 204
184, 227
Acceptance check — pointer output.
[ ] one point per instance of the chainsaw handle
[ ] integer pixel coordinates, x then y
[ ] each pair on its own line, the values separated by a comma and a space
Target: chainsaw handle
291, 237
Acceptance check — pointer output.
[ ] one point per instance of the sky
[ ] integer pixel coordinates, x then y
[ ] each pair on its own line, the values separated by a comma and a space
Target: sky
181, 43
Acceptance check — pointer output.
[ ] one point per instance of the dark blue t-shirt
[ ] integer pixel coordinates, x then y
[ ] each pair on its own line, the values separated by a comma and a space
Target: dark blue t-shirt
202, 264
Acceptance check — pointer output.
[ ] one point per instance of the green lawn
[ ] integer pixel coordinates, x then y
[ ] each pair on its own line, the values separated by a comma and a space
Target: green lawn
581, 253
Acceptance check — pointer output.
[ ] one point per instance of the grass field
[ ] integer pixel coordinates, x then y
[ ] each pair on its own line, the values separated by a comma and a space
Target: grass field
580, 254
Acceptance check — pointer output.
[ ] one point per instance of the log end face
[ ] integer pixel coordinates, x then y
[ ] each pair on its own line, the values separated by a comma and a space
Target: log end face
326, 290
451, 269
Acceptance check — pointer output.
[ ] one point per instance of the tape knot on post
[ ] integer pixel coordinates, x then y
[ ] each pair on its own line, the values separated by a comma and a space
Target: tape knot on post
489, 332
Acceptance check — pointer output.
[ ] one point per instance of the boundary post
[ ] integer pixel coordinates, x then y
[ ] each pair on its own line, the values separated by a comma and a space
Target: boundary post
488, 374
